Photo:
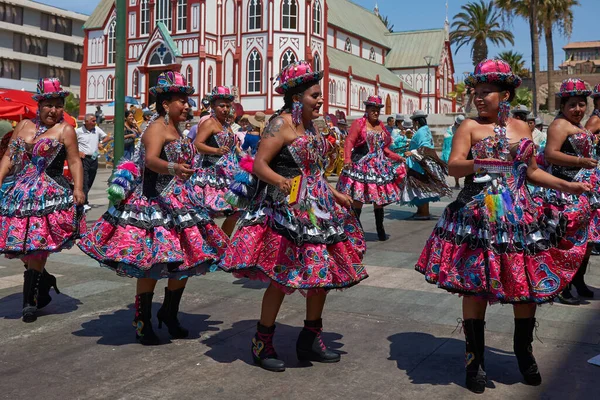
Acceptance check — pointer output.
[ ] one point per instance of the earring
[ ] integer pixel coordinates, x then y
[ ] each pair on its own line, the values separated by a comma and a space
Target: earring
503, 111
167, 119
297, 113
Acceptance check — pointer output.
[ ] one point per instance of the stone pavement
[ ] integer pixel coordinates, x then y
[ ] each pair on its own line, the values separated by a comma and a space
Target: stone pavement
396, 334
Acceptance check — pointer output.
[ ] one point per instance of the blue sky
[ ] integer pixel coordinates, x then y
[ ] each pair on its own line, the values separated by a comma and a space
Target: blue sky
425, 14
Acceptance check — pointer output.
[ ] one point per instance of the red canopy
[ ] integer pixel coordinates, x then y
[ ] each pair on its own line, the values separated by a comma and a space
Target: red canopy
16, 105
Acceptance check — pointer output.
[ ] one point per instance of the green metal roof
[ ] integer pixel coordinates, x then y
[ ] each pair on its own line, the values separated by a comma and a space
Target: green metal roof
162, 28
96, 20
410, 48
357, 20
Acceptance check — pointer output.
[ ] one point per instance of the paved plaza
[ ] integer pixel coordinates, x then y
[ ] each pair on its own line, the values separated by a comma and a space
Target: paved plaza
397, 335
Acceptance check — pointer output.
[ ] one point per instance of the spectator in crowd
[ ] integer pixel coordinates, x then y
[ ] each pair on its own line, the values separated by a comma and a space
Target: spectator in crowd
146, 117
99, 114
186, 131
390, 125
132, 132
520, 112
90, 139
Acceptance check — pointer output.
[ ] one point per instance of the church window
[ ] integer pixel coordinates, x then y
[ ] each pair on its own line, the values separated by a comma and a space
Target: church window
254, 72
372, 54
289, 14
254, 14
288, 58
348, 46
163, 13
111, 41
317, 17
181, 15
144, 17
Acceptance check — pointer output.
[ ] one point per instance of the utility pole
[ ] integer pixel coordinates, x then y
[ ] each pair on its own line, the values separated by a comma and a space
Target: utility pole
120, 74
428, 60
535, 52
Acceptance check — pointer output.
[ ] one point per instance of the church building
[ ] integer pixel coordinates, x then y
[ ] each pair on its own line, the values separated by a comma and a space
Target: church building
244, 44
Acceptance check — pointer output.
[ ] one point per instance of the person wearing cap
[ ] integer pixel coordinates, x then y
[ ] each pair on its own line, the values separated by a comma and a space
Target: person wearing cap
89, 140
520, 112
146, 115
373, 173
447, 145
306, 240
493, 244
252, 136
218, 146
593, 123
244, 126
39, 212
426, 178
539, 137
155, 229
570, 151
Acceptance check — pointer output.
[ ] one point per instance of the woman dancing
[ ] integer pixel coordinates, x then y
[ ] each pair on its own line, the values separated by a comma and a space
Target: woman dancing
494, 243
39, 213
154, 230
305, 240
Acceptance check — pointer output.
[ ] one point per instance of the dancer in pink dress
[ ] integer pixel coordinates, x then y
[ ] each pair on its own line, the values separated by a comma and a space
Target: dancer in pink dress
372, 172
309, 242
218, 161
39, 213
570, 150
154, 229
494, 243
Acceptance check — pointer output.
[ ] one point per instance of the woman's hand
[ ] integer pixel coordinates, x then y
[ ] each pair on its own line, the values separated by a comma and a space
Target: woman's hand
223, 150
587, 163
284, 185
342, 199
408, 153
78, 197
183, 171
578, 187
348, 165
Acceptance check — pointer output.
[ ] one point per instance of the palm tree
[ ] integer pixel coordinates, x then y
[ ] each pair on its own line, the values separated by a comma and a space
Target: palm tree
459, 92
559, 14
476, 24
386, 22
516, 62
527, 9
523, 96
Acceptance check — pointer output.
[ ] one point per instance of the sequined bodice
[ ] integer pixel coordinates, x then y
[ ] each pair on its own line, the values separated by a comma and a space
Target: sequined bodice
580, 144
179, 151
488, 148
219, 139
46, 155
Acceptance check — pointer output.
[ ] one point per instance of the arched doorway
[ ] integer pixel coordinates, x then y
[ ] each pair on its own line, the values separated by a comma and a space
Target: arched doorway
388, 105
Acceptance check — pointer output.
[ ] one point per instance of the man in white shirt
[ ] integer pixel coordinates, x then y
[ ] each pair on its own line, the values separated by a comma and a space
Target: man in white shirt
89, 137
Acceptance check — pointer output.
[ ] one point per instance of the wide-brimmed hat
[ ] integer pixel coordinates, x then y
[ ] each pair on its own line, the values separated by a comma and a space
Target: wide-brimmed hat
220, 92
530, 117
295, 74
459, 119
49, 88
418, 114
493, 71
596, 91
258, 120
245, 117
400, 117
573, 87
171, 82
538, 121
520, 109
407, 124
374, 101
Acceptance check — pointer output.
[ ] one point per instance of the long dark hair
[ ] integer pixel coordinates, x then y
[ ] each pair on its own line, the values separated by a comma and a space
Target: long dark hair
160, 98
288, 97
421, 121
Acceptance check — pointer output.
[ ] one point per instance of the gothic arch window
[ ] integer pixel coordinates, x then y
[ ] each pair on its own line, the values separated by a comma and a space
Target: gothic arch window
332, 92
287, 58
110, 88
289, 14
93, 52
91, 90
181, 15
210, 79
111, 41
317, 17
163, 13
372, 54
100, 88
161, 56
316, 62
348, 46
144, 17
254, 72
135, 84
254, 14
189, 75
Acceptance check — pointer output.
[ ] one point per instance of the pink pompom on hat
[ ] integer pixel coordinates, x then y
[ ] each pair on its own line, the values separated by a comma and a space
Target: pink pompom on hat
49, 88
171, 82
374, 101
295, 74
493, 71
220, 92
573, 87
596, 91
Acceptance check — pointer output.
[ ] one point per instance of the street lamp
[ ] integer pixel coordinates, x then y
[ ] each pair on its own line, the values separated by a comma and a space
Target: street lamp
428, 62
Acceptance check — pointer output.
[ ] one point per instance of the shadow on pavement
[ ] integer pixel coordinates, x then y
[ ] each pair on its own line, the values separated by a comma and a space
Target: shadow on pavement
429, 360
250, 284
235, 344
116, 329
11, 306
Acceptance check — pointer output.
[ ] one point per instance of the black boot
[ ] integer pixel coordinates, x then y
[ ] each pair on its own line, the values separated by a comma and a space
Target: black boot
379, 225
143, 320
263, 352
46, 283
168, 314
523, 338
31, 284
474, 354
310, 346
566, 297
579, 283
